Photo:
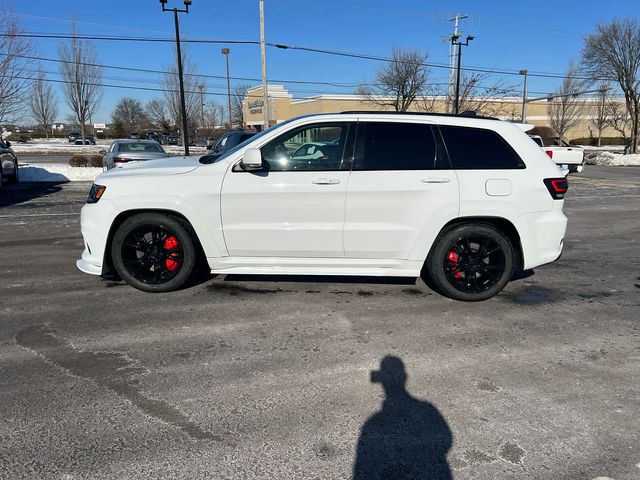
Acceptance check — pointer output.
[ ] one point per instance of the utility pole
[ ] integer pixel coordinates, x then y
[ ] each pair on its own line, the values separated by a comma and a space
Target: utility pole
183, 110
265, 91
454, 41
225, 52
453, 51
524, 95
201, 88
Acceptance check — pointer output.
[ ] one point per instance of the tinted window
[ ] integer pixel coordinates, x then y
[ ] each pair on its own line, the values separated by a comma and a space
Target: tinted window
140, 147
396, 146
477, 148
316, 147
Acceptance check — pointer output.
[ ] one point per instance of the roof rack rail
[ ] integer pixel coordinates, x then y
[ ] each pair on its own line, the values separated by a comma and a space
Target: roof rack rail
466, 113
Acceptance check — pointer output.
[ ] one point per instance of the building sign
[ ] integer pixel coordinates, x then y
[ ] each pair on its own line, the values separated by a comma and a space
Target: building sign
101, 126
255, 107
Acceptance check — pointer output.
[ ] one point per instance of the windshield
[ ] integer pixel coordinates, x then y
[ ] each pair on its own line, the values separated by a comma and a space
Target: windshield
213, 158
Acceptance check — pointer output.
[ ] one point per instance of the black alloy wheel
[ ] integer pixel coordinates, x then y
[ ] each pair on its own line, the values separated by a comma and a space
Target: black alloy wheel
471, 262
153, 252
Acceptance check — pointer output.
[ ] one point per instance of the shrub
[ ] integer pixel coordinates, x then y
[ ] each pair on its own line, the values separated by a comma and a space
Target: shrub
594, 141
95, 161
79, 161
546, 133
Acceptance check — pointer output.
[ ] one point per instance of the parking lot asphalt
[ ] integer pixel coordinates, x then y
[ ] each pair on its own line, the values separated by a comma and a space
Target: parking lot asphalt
251, 377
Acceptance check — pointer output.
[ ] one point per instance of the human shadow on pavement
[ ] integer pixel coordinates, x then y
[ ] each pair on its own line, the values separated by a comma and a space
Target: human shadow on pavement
408, 439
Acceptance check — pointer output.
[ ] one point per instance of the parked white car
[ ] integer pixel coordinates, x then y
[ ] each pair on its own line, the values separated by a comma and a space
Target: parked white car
461, 201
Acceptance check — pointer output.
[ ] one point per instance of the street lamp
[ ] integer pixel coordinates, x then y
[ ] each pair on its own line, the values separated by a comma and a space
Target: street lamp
524, 95
454, 41
183, 110
225, 52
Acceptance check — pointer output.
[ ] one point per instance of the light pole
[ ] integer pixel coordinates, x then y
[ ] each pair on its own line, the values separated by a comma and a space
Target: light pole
524, 95
183, 110
454, 41
263, 55
225, 52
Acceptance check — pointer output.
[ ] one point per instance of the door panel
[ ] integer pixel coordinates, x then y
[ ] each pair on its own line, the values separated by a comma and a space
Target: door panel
401, 185
296, 206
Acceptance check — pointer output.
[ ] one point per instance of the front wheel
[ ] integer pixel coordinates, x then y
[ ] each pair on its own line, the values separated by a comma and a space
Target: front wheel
153, 252
471, 262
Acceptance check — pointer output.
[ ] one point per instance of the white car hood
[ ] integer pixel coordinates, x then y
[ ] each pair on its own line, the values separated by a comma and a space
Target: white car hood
153, 168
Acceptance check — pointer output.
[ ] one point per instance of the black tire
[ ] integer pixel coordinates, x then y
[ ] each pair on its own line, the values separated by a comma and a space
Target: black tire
154, 252
15, 177
471, 262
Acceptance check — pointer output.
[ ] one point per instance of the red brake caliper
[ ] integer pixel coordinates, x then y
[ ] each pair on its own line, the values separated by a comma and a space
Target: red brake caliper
453, 259
169, 244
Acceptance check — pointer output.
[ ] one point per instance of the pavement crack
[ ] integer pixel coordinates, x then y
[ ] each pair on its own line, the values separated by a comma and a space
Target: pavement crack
112, 370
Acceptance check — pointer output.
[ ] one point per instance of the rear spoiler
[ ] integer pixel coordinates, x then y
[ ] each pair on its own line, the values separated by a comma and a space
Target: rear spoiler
525, 127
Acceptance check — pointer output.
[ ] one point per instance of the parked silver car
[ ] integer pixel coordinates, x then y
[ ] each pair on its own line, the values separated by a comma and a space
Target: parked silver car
124, 151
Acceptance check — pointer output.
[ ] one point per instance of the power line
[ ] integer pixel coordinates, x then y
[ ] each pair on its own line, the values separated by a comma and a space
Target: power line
291, 47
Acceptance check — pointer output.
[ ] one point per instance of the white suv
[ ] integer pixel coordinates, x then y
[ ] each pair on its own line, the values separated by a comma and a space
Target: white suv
461, 201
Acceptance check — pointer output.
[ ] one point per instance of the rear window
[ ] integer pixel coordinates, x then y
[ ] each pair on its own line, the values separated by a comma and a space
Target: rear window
478, 148
396, 146
140, 147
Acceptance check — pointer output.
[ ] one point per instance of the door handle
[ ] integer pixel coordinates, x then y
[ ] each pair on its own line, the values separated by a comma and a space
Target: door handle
436, 180
326, 181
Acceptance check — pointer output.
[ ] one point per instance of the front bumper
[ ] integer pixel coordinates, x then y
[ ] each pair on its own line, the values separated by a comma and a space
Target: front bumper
95, 222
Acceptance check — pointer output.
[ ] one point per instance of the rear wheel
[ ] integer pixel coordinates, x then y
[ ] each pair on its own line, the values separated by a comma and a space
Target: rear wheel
153, 252
471, 262
14, 178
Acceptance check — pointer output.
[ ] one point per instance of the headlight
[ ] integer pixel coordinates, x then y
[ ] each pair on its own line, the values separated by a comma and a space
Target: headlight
95, 193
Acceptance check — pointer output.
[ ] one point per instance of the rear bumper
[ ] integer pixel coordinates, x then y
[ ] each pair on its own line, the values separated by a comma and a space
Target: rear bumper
542, 236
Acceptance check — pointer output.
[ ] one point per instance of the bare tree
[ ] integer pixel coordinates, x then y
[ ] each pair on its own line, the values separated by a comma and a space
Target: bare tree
618, 118
564, 109
171, 86
483, 100
81, 76
400, 82
213, 114
129, 115
159, 115
599, 119
15, 69
237, 97
614, 52
43, 104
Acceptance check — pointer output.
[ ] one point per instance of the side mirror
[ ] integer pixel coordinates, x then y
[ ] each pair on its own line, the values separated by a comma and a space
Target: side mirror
102, 152
252, 159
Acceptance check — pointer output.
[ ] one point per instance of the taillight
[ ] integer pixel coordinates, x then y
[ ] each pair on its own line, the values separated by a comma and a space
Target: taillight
121, 160
550, 153
557, 187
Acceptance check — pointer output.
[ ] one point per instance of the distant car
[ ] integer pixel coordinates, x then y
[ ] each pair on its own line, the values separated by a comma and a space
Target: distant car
73, 136
125, 151
230, 140
9, 163
172, 140
88, 140
569, 159
134, 135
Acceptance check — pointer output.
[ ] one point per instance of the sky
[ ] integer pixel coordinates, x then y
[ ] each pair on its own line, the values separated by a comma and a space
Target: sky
541, 37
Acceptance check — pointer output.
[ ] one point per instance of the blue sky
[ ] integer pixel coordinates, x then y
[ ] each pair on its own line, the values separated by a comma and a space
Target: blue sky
540, 36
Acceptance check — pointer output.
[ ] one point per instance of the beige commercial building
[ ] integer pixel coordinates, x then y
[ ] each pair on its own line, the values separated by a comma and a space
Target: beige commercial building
283, 106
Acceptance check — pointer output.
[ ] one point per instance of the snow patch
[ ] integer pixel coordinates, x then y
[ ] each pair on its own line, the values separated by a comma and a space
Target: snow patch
57, 173
61, 146
613, 159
